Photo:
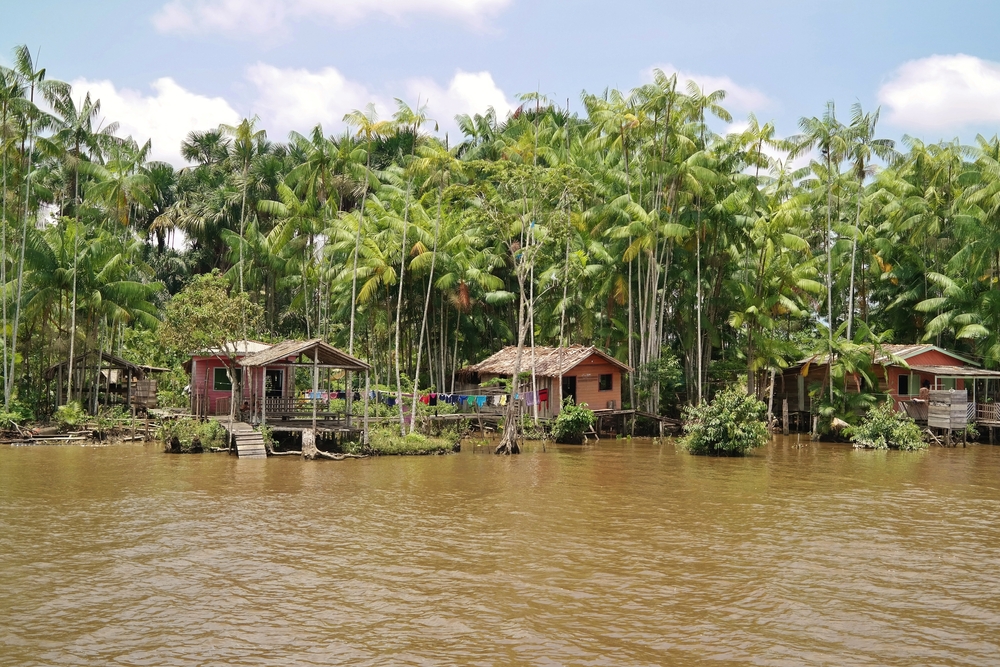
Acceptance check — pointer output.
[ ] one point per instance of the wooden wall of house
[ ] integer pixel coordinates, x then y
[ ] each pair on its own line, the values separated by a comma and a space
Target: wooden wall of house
588, 390
890, 381
202, 381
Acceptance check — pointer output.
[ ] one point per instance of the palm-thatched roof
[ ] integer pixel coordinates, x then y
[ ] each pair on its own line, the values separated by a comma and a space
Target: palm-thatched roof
547, 361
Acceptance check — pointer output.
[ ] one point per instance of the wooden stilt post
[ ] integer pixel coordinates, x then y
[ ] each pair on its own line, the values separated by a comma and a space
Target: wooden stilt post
364, 436
784, 417
315, 384
263, 400
348, 397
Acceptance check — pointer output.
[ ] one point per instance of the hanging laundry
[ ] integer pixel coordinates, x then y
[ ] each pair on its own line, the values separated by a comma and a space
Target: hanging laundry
480, 401
390, 401
357, 396
425, 399
503, 399
434, 400
543, 396
530, 399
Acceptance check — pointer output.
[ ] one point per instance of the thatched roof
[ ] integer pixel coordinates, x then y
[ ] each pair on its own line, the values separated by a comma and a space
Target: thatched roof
548, 361
290, 351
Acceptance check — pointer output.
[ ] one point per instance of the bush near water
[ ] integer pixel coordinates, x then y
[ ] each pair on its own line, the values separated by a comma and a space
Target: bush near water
572, 422
885, 428
731, 425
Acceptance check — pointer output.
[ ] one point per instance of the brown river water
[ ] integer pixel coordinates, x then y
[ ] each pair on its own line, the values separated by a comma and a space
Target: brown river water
615, 554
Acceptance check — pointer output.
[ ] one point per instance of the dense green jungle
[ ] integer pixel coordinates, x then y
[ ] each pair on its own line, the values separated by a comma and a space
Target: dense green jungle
694, 255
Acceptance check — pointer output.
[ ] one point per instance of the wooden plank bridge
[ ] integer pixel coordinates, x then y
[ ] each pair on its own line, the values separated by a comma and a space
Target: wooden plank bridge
249, 443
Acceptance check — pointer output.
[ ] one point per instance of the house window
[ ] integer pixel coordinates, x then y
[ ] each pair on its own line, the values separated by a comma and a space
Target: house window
220, 381
604, 382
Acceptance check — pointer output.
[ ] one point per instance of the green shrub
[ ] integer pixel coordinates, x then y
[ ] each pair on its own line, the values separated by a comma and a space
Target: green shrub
187, 435
731, 425
16, 415
572, 422
885, 428
70, 415
386, 441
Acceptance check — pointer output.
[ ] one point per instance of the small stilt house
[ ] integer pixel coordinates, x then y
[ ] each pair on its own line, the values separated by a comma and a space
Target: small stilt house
587, 374
902, 371
102, 379
265, 380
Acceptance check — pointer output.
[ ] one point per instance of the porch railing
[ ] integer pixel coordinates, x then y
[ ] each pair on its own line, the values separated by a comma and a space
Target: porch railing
988, 412
296, 405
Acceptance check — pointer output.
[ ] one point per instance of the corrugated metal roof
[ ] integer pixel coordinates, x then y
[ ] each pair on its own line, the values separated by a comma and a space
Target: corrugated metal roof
904, 352
326, 354
548, 361
236, 348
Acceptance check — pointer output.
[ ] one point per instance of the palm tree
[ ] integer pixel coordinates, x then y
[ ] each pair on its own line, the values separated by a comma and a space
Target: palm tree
34, 80
827, 134
438, 164
74, 139
863, 148
247, 143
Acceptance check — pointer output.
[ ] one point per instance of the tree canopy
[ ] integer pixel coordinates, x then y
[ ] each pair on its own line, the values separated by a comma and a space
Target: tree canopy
632, 225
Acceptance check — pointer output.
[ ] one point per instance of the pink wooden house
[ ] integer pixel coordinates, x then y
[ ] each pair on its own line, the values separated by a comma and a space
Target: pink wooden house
211, 388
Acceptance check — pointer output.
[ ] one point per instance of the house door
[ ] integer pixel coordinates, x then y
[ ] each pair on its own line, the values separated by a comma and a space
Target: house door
569, 387
274, 383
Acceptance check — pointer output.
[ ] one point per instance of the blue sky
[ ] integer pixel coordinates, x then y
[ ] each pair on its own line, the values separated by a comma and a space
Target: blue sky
163, 67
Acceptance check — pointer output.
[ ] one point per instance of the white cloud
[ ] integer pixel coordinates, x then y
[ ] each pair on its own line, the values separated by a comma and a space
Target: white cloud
298, 99
166, 117
468, 93
943, 93
742, 98
257, 17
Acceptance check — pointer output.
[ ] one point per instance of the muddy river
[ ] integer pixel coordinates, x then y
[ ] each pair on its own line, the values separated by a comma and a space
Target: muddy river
621, 553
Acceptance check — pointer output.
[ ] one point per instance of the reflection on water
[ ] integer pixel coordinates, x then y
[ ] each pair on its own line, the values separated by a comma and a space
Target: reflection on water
623, 553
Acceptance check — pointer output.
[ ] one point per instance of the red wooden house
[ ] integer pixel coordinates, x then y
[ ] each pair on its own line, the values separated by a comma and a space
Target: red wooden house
923, 365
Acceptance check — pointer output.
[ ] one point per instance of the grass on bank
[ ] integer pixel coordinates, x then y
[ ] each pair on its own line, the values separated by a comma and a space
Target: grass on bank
386, 441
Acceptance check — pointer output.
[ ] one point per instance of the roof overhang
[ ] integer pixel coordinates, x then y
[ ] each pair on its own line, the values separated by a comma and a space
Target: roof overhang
956, 372
291, 352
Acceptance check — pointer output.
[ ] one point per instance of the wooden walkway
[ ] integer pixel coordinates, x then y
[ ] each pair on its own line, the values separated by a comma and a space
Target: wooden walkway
249, 443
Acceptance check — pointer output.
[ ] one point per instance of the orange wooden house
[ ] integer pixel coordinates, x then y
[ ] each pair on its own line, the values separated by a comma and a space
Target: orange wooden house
588, 375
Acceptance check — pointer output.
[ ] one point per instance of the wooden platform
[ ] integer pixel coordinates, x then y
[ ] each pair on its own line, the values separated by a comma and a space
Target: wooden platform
249, 443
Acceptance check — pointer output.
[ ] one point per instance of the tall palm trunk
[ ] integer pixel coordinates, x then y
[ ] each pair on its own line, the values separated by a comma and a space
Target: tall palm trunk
349, 394
3, 250
698, 304
854, 251
423, 324
9, 380
399, 307
829, 263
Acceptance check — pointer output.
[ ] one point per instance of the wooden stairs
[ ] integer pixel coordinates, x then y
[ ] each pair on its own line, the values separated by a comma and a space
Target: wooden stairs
249, 443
